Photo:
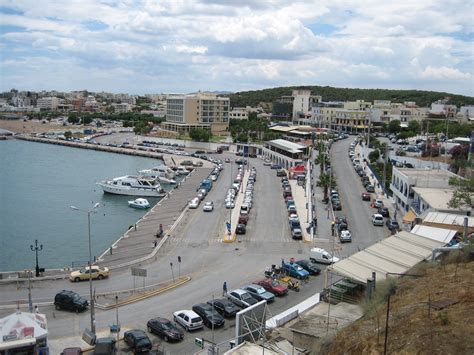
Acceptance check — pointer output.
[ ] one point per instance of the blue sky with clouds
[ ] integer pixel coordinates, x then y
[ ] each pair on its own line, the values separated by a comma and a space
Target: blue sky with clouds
154, 46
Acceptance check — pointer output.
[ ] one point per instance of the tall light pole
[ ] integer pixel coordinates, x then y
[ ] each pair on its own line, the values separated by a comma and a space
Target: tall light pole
36, 249
88, 212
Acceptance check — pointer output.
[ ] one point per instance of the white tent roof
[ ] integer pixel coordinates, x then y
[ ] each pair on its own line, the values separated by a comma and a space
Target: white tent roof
395, 254
22, 325
439, 234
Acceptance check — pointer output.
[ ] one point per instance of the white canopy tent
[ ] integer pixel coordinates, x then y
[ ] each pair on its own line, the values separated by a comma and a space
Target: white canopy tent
434, 233
22, 328
395, 254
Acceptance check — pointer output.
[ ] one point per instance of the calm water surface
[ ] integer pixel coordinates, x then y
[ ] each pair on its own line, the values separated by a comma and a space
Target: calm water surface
39, 183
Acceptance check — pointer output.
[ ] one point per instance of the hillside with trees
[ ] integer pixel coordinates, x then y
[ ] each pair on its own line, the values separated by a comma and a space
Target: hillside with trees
328, 93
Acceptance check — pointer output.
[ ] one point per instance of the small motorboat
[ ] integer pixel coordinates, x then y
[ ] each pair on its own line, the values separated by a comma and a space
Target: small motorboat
139, 203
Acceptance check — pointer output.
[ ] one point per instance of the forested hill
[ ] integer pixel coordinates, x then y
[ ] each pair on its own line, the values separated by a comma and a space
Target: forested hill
328, 93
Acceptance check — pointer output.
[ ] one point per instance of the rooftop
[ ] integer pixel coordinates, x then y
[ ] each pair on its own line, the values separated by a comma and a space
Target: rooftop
448, 219
427, 177
287, 145
437, 198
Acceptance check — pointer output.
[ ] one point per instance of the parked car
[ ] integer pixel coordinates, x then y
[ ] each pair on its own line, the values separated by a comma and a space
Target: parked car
294, 270
96, 272
188, 319
377, 219
384, 211
225, 307
241, 298
210, 317
370, 188
392, 224
165, 329
345, 236
378, 203
194, 203
273, 286
275, 166
365, 196
296, 233
137, 340
240, 229
259, 293
336, 205
309, 266
243, 219
70, 301
281, 172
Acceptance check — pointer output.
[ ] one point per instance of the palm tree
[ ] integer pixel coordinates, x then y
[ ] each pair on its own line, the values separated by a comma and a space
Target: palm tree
326, 181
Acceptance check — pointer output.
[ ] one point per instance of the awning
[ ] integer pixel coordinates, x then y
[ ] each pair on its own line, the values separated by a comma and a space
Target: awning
440, 234
409, 217
396, 254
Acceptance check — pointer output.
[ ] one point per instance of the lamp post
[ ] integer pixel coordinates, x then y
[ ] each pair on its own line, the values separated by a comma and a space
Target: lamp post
36, 249
88, 212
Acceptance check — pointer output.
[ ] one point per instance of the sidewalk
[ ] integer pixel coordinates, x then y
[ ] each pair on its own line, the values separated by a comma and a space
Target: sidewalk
299, 196
239, 198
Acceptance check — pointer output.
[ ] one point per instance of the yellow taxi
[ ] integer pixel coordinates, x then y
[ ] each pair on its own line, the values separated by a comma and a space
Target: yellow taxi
96, 272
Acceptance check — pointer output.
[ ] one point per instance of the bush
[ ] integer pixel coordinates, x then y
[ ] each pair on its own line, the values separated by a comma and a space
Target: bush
200, 134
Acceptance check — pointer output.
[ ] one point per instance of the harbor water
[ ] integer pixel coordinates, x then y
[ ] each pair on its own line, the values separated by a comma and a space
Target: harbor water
38, 185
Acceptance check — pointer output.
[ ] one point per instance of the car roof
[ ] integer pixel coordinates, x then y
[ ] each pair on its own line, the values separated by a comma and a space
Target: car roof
188, 312
378, 215
160, 320
239, 291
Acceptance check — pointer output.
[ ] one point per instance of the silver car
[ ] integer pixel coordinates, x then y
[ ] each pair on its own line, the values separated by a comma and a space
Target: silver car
259, 293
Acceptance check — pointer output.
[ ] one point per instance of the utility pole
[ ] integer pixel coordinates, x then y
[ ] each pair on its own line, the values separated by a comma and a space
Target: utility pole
36, 249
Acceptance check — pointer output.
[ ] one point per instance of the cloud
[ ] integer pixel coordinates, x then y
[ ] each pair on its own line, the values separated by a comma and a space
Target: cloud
146, 46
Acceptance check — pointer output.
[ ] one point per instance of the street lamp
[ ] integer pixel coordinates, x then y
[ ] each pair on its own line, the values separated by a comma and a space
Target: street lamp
88, 212
36, 249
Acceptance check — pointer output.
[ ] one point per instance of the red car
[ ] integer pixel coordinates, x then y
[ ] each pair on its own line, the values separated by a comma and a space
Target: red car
273, 286
365, 196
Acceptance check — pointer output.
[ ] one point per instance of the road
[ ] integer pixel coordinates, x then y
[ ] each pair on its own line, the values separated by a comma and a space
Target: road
357, 212
204, 257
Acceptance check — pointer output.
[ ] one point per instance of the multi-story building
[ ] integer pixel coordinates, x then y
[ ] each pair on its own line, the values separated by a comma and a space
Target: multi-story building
303, 101
355, 117
239, 113
323, 114
122, 107
441, 110
404, 180
466, 113
203, 110
47, 103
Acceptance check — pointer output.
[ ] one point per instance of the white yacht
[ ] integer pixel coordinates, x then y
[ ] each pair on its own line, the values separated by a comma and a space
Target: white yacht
161, 172
181, 170
133, 186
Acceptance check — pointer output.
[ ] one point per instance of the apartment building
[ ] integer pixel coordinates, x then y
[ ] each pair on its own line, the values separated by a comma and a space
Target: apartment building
203, 110
303, 102
405, 181
384, 111
47, 103
323, 114
239, 113
122, 107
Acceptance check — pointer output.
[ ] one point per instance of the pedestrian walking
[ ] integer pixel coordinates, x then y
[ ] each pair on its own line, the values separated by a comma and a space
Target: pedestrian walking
155, 243
37, 310
224, 289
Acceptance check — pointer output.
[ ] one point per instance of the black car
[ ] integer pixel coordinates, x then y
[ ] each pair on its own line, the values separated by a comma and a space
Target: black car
240, 229
384, 211
370, 188
275, 166
137, 340
225, 307
392, 224
210, 317
309, 266
336, 205
70, 301
165, 329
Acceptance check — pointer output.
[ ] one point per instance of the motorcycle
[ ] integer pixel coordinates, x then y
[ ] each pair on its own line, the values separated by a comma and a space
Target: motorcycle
294, 285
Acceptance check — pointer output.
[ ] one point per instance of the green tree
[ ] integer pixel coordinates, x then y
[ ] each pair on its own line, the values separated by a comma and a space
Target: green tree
463, 193
68, 135
374, 155
326, 181
73, 118
200, 134
394, 126
414, 126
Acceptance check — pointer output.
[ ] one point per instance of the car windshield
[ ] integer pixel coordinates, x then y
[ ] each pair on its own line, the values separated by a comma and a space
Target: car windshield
167, 325
260, 290
245, 296
76, 297
299, 268
195, 319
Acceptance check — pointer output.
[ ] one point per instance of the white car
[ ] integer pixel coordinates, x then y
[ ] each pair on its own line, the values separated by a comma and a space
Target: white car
378, 203
229, 204
208, 207
188, 319
345, 236
293, 218
214, 177
377, 220
194, 203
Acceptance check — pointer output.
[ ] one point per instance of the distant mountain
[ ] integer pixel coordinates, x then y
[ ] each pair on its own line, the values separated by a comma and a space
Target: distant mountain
328, 93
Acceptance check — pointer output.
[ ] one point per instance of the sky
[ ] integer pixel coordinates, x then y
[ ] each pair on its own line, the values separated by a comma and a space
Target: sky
181, 46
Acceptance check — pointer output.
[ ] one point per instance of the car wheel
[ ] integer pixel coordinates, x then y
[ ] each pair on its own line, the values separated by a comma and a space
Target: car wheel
165, 338
77, 279
100, 277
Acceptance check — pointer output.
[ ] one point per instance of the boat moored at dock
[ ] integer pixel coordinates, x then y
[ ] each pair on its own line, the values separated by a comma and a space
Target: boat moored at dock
140, 203
133, 186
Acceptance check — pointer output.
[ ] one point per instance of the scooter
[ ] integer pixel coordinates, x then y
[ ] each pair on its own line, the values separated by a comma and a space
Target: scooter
294, 285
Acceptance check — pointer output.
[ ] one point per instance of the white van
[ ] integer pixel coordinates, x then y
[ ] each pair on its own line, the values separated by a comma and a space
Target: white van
244, 209
319, 255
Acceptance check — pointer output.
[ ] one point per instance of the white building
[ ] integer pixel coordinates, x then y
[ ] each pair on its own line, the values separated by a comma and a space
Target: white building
47, 103
122, 107
404, 180
238, 113
303, 102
